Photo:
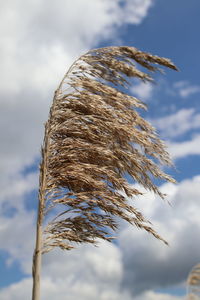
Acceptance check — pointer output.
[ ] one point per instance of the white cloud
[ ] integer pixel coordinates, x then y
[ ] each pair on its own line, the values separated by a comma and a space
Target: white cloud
133, 269
22, 291
22, 117
150, 264
182, 149
178, 123
39, 40
17, 188
185, 89
18, 236
17, 224
88, 273
97, 273
157, 296
135, 10
142, 90
41, 48
17, 291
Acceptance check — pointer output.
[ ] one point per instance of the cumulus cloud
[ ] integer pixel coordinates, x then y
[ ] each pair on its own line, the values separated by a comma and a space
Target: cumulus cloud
18, 291
21, 185
22, 291
18, 235
22, 117
142, 90
178, 123
37, 45
135, 10
185, 148
149, 263
185, 89
97, 273
39, 40
157, 296
133, 267
88, 273
17, 224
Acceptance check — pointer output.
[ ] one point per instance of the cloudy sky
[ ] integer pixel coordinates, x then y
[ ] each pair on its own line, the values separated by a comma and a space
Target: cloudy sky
39, 40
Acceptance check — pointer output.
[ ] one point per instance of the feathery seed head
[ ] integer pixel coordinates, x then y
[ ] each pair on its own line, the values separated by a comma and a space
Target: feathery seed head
93, 138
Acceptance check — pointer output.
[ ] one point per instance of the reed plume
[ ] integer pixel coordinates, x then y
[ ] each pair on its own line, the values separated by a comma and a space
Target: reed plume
193, 283
93, 138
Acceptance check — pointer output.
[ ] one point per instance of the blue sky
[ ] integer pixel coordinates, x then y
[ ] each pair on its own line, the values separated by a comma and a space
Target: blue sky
40, 39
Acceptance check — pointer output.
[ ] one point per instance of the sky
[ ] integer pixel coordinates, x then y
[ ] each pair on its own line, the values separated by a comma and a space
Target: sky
39, 41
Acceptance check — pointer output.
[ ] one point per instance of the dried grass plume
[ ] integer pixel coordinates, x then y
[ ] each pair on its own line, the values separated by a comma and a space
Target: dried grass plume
193, 283
93, 138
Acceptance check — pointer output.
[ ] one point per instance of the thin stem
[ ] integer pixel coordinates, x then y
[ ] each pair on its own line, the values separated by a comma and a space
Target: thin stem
37, 257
